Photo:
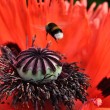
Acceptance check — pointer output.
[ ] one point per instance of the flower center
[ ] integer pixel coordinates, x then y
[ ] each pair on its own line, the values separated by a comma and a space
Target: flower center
38, 64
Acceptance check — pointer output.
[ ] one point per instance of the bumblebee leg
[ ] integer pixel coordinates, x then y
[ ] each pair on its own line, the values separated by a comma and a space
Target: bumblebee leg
56, 40
46, 35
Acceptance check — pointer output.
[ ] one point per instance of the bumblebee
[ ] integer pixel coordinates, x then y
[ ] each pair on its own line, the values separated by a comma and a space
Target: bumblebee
54, 31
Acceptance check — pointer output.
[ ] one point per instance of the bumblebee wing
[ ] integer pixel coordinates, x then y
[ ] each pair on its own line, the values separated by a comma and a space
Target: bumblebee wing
40, 27
62, 25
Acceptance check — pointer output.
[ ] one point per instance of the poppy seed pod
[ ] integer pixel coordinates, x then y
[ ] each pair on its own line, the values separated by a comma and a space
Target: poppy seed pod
38, 64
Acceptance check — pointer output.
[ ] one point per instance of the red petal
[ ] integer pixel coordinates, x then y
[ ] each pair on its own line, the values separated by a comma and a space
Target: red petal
98, 66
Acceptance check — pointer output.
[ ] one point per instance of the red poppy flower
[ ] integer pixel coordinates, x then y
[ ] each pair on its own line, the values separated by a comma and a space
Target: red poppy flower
20, 22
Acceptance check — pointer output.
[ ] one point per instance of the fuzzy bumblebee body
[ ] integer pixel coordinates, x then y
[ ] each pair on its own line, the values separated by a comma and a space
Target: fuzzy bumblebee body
54, 31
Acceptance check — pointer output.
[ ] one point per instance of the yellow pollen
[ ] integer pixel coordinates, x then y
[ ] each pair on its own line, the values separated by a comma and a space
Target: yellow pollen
56, 27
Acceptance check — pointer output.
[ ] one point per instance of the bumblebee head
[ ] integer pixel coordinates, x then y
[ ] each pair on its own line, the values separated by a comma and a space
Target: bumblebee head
47, 28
